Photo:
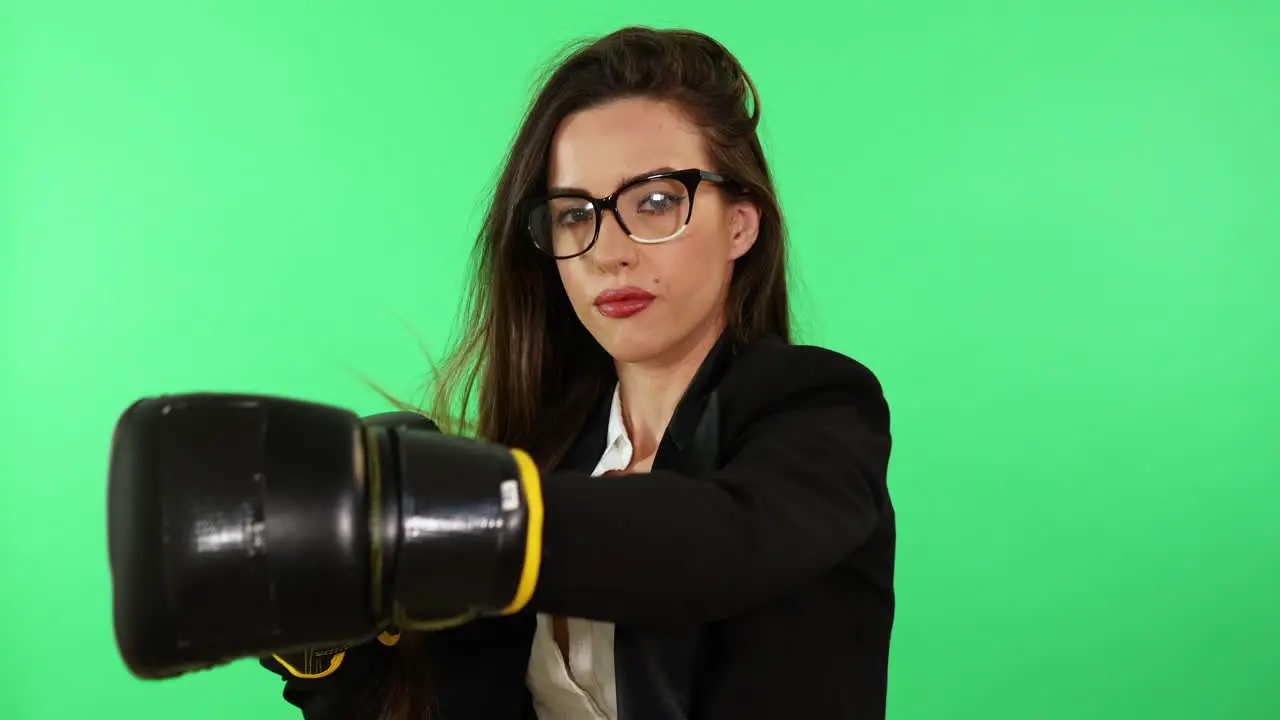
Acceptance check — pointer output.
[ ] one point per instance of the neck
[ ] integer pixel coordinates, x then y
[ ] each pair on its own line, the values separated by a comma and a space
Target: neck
651, 390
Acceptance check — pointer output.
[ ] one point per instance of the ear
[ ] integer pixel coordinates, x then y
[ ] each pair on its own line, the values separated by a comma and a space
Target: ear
744, 228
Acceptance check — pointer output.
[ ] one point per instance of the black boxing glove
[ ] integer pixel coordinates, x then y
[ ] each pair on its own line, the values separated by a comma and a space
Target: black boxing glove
244, 525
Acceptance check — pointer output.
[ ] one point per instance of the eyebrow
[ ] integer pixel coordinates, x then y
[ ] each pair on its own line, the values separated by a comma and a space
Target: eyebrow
624, 181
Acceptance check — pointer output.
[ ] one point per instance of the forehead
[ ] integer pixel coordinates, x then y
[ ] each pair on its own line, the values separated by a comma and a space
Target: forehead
597, 149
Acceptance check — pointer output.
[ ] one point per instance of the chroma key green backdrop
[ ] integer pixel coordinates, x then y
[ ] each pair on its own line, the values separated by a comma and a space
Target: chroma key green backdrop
1052, 228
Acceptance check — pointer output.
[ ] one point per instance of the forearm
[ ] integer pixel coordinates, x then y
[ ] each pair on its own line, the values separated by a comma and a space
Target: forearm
664, 548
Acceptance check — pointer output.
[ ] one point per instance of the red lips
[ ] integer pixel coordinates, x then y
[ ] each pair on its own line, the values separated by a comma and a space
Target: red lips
623, 302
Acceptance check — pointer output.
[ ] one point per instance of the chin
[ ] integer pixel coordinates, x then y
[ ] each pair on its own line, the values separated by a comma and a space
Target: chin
628, 345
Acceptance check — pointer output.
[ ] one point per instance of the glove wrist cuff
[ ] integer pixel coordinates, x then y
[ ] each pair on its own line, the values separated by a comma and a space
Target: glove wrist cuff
471, 519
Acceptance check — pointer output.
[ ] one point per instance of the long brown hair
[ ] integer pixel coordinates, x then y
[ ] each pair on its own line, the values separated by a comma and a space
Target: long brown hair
522, 350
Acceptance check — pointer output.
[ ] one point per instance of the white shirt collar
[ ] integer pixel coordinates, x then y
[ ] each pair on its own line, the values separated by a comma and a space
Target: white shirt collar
617, 428
617, 448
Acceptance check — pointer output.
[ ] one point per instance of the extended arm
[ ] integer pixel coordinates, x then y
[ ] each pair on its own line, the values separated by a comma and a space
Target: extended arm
803, 486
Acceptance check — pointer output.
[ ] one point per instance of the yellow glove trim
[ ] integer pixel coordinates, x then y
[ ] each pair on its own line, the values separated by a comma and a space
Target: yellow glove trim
531, 483
335, 661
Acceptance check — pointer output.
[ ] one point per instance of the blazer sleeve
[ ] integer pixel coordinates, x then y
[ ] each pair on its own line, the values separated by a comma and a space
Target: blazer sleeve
336, 683
801, 486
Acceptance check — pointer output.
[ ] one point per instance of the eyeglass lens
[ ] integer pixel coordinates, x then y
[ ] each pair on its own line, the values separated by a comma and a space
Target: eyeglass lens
651, 211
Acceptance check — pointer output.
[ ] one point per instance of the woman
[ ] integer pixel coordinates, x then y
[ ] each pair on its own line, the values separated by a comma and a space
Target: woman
629, 318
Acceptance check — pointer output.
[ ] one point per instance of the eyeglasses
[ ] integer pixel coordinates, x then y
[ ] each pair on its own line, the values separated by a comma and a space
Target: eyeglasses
651, 210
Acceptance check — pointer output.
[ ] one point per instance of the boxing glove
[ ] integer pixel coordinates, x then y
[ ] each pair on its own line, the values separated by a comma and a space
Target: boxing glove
242, 525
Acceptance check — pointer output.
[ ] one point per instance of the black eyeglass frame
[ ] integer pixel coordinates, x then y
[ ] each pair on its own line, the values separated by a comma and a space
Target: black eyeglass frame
690, 178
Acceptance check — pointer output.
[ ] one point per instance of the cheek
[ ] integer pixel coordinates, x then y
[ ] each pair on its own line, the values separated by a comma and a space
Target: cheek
697, 268
573, 278
567, 278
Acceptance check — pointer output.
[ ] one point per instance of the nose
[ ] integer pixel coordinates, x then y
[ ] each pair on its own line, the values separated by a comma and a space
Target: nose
614, 249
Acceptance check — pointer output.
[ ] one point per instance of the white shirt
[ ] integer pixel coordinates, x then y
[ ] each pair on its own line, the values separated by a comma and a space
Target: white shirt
584, 688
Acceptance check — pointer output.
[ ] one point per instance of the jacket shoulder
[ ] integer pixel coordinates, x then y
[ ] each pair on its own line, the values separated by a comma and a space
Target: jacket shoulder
774, 376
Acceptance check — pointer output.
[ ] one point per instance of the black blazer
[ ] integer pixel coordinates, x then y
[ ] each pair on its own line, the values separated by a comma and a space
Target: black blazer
750, 574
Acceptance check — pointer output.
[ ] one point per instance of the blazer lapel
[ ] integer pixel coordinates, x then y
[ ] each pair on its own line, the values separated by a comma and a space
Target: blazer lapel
657, 666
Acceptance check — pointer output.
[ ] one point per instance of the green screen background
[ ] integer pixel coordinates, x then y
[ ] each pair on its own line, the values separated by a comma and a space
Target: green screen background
1053, 229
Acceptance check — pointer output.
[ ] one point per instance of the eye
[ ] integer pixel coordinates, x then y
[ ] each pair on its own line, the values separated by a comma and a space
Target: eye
573, 216
660, 202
